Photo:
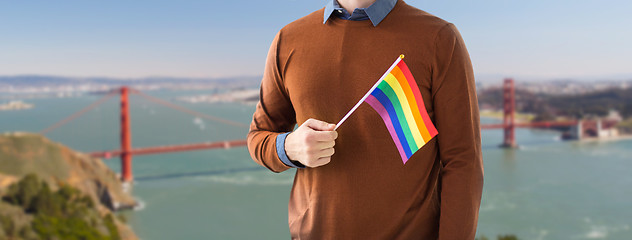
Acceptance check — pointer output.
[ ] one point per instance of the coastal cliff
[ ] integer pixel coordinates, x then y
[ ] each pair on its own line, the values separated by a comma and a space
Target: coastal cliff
51, 169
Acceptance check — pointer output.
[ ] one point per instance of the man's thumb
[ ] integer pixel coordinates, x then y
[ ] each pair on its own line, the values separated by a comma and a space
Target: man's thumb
319, 125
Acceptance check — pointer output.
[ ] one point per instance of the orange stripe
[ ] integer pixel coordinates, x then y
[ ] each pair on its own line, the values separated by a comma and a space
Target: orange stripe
422, 108
423, 130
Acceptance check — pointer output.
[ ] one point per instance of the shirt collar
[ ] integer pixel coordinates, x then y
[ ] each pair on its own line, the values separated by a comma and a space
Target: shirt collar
376, 12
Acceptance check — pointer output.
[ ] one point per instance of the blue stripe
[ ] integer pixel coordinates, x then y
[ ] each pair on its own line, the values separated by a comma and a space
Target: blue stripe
380, 96
397, 105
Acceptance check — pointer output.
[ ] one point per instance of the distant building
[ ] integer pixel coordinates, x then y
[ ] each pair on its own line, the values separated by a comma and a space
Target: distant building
595, 128
614, 115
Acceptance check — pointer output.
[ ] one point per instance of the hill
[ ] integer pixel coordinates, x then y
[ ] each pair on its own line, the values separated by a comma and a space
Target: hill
547, 106
64, 172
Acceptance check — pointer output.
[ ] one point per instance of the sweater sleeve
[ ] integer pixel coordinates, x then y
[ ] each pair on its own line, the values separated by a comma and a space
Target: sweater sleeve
273, 115
457, 121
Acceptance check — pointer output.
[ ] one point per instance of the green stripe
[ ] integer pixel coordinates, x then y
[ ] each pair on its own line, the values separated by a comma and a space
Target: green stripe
400, 114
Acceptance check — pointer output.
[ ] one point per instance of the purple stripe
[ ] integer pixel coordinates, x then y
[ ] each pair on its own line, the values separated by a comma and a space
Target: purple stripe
375, 104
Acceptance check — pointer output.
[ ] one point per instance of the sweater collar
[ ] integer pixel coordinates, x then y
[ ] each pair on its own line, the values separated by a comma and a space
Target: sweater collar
376, 12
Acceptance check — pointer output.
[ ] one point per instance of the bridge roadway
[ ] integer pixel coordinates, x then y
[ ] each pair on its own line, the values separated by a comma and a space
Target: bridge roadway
531, 124
171, 148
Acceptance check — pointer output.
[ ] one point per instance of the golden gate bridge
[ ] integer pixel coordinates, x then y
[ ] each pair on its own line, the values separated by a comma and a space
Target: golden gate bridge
126, 150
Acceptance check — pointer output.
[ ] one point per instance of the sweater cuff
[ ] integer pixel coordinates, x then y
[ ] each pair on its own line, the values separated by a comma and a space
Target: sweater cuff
280, 147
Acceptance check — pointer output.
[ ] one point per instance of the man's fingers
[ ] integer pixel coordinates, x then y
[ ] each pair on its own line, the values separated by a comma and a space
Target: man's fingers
312, 143
319, 125
325, 145
320, 157
328, 152
321, 161
322, 136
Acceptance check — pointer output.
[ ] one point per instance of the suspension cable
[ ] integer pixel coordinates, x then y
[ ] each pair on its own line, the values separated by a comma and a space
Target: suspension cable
79, 113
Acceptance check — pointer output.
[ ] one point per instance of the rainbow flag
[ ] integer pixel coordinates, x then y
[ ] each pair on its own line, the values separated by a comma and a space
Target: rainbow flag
397, 99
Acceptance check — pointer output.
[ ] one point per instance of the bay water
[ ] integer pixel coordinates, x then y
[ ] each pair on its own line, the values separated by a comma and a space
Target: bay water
545, 189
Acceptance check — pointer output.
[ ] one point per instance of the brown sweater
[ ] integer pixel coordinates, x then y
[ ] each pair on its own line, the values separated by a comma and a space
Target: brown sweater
320, 71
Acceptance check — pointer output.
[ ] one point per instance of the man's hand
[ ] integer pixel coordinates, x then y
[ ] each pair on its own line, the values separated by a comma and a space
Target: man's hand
312, 144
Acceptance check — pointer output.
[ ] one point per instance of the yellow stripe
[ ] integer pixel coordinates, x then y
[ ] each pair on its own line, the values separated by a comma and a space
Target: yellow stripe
392, 81
399, 75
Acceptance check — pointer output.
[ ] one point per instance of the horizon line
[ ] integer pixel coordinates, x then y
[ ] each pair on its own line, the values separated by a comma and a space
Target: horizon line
482, 77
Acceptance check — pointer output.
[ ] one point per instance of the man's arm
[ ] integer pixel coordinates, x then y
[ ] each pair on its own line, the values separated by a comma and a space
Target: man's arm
311, 145
274, 114
457, 121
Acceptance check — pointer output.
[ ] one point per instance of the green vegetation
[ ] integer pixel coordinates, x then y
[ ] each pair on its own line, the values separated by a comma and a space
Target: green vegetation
596, 103
499, 115
34, 154
500, 237
62, 214
625, 126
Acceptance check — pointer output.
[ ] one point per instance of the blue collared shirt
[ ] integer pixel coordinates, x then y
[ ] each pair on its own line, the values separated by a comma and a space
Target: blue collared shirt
376, 13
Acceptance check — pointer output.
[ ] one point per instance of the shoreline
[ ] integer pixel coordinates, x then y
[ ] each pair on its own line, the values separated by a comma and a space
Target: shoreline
607, 139
244, 96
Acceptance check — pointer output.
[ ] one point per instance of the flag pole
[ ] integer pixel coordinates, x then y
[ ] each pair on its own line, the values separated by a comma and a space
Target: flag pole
401, 56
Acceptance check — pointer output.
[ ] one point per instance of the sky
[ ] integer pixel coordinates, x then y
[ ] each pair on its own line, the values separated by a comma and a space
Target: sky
538, 39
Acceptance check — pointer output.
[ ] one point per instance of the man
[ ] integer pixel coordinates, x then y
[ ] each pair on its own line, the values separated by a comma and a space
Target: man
317, 68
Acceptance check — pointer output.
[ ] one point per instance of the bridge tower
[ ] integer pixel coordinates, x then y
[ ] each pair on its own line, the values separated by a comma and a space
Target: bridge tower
126, 137
509, 109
